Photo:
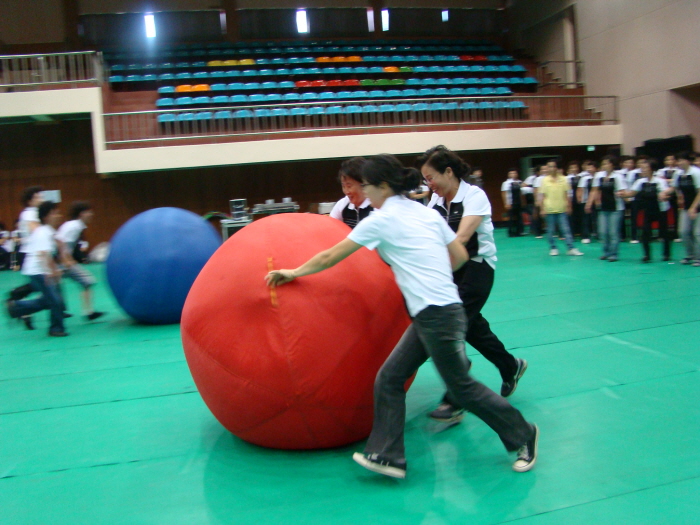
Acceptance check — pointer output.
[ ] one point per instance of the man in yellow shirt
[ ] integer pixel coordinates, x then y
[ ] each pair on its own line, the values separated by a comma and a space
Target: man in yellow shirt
555, 204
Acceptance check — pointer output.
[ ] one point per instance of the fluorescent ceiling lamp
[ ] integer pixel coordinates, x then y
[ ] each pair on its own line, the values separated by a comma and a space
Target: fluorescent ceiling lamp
370, 19
150, 26
302, 22
445, 15
385, 20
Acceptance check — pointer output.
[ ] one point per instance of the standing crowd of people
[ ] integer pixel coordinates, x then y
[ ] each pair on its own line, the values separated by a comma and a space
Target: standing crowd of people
611, 201
46, 249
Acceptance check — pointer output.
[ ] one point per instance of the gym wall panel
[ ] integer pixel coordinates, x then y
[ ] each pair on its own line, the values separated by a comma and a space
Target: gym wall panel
31, 22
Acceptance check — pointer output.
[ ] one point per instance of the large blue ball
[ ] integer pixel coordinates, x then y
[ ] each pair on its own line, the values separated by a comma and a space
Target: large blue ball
153, 260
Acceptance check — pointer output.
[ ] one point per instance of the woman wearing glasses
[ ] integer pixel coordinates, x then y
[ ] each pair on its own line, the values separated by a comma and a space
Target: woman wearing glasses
422, 252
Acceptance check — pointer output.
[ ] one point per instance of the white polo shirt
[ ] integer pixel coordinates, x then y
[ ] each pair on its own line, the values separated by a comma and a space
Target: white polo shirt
40, 241
619, 184
27, 216
412, 239
693, 171
507, 186
69, 233
583, 183
528, 185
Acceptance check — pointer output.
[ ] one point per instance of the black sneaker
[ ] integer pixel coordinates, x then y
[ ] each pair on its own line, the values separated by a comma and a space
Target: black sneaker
27, 320
94, 315
527, 454
646, 259
375, 463
446, 413
508, 387
67, 315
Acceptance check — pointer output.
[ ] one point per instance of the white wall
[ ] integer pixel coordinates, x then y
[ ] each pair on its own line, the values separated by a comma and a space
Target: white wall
637, 50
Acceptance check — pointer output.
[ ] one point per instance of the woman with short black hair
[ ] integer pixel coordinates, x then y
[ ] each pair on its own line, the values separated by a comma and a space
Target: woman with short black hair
354, 207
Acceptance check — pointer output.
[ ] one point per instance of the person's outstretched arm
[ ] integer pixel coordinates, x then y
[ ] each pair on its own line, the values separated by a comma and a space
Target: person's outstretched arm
319, 262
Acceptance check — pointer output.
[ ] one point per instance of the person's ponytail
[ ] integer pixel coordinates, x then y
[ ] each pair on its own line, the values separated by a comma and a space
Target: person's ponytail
412, 179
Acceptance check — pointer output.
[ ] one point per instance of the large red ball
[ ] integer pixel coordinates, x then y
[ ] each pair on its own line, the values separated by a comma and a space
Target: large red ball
293, 367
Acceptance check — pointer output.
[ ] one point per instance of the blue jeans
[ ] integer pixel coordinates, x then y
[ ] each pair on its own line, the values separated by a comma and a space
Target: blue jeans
437, 332
609, 231
560, 220
50, 298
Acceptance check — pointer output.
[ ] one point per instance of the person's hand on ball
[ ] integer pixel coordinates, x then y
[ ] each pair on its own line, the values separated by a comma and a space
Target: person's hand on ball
277, 277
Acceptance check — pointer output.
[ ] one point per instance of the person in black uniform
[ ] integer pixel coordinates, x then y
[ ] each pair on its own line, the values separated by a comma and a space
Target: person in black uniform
652, 191
468, 213
354, 207
687, 185
573, 176
512, 202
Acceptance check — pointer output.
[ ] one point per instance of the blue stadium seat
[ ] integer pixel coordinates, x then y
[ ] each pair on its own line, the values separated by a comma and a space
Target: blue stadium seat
412, 58
269, 85
487, 105
273, 97
164, 102
283, 71
299, 112
200, 75
251, 85
266, 72
309, 96
133, 78
299, 71
451, 106
409, 93
526, 80
291, 97
353, 109
280, 112
232, 73
403, 107
250, 73
327, 95
256, 97
487, 92
361, 70
238, 99
436, 106
220, 100
429, 82
262, 112
166, 89
330, 70
501, 81
241, 113
313, 70
116, 78
277, 61
183, 101
345, 70
435, 69
518, 104
473, 92
376, 69
420, 69
343, 95
457, 92
217, 74
185, 117
470, 105
201, 101
444, 81
387, 108
335, 110
450, 69
183, 76
517, 68
394, 93
370, 108
165, 118
517, 80
487, 81
414, 82
316, 110
503, 91
490, 69
203, 115
286, 84
377, 93
420, 106
462, 69
426, 92
442, 92
166, 77
308, 60
218, 87
199, 64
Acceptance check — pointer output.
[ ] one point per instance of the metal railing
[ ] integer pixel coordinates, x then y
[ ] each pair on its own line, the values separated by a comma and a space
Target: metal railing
32, 72
567, 73
143, 129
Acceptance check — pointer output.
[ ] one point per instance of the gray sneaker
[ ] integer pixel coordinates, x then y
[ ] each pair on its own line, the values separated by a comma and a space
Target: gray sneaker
446, 413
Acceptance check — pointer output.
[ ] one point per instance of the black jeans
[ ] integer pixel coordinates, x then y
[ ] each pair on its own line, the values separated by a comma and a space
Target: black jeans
649, 218
515, 222
474, 281
437, 332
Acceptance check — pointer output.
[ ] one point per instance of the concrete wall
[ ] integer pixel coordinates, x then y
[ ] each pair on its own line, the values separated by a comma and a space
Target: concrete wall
31, 22
638, 50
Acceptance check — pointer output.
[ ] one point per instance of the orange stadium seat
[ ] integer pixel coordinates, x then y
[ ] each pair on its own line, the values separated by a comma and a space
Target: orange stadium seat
201, 87
339, 59
184, 88
323, 59
391, 69
354, 58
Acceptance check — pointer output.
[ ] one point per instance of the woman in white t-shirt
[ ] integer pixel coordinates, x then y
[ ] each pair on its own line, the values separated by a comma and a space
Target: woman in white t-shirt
511, 192
422, 252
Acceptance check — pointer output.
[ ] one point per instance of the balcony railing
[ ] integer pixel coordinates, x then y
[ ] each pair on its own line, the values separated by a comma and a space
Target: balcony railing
226, 124
566, 73
55, 70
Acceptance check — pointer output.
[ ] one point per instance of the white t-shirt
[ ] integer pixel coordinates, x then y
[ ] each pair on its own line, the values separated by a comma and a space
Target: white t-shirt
693, 171
8, 245
40, 241
412, 239
583, 183
528, 185
620, 184
509, 194
470, 200
661, 185
69, 233
538, 181
27, 216
632, 175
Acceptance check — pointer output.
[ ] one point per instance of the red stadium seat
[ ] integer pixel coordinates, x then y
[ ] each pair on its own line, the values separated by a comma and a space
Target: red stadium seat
334, 83
351, 82
302, 83
318, 83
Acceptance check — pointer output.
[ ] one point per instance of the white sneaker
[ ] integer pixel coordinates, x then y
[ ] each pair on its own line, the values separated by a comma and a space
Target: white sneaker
574, 251
553, 251
634, 241
586, 241
677, 240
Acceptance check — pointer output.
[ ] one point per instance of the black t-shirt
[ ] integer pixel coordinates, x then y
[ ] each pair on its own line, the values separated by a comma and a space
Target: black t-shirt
573, 184
515, 194
648, 197
686, 185
607, 194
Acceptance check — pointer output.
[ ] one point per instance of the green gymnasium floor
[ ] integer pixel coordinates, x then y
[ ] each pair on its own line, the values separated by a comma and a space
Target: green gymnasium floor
105, 426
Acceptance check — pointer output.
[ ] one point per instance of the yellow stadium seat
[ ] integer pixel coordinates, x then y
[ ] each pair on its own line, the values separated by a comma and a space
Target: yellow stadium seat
246, 62
184, 88
230, 62
201, 87
215, 63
